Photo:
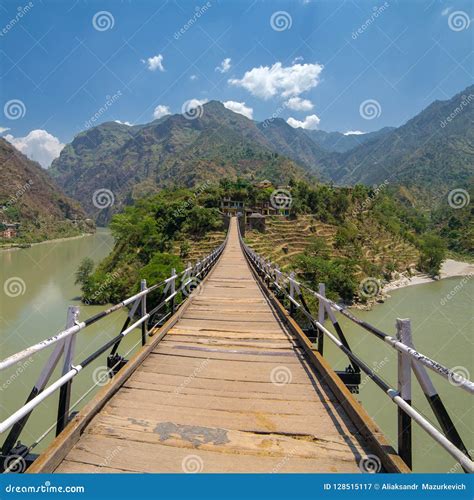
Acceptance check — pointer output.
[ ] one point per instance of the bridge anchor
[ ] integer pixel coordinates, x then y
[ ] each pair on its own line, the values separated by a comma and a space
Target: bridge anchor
115, 363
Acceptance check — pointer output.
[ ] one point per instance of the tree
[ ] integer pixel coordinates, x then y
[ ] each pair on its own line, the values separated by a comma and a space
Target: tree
83, 271
433, 252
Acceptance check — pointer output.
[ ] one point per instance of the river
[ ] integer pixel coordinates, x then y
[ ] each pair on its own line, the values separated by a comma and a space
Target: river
38, 310
443, 330
37, 288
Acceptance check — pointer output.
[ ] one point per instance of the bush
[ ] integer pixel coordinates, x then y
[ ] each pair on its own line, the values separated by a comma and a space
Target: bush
433, 252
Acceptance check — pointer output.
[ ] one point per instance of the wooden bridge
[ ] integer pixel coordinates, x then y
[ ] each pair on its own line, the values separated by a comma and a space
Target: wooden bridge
229, 383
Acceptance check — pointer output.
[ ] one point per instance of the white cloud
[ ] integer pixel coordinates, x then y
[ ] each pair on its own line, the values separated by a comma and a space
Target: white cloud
193, 77
266, 82
154, 63
446, 11
123, 123
3, 129
239, 107
160, 111
297, 59
311, 122
299, 104
354, 132
224, 65
38, 145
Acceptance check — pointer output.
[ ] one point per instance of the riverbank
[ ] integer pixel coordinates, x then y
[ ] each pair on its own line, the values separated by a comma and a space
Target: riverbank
21, 246
450, 269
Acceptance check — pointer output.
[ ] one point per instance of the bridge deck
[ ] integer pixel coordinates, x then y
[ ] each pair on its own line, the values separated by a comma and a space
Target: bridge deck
212, 395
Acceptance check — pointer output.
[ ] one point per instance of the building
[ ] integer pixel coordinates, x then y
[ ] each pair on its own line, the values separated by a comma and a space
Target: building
9, 231
232, 207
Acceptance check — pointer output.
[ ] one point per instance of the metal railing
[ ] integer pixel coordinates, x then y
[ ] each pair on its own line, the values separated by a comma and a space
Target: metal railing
178, 285
285, 286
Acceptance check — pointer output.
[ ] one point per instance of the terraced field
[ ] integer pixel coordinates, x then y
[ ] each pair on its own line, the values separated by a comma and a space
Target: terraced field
284, 239
201, 247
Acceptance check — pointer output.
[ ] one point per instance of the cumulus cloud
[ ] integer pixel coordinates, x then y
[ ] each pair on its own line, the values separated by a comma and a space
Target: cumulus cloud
154, 63
38, 145
160, 111
311, 122
193, 77
299, 104
3, 129
354, 132
123, 123
224, 66
266, 82
239, 107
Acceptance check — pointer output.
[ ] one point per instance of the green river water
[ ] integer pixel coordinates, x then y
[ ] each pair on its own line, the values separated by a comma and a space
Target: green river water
443, 332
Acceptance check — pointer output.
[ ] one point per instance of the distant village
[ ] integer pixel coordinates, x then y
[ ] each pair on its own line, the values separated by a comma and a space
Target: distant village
254, 216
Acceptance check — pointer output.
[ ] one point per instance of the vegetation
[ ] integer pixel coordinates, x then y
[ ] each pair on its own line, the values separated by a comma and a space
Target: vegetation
433, 252
152, 237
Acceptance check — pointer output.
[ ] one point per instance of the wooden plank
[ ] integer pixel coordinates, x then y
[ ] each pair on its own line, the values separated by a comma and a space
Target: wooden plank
94, 449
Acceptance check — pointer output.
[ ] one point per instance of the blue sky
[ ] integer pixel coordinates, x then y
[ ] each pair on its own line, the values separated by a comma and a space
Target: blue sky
311, 62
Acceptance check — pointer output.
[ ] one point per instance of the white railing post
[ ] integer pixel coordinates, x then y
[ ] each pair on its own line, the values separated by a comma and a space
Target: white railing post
65, 391
404, 389
292, 293
143, 311
172, 290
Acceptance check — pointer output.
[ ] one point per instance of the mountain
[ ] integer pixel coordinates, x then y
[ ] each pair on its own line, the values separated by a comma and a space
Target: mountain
174, 150
29, 197
340, 143
292, 142
431, 154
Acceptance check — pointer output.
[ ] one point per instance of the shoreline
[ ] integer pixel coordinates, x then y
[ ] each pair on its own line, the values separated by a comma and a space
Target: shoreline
450, 269
55, 240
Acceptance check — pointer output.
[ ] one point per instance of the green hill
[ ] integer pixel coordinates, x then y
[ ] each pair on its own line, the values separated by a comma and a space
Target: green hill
29, 197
